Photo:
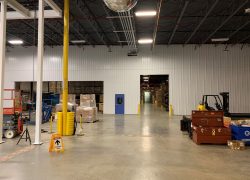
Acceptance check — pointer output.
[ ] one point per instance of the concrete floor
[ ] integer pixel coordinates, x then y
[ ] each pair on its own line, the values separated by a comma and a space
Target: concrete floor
131, 147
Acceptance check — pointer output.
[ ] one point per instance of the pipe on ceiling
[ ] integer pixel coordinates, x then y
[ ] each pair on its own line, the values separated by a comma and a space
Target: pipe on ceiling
202, 21
157, 23
224, 22
178, 21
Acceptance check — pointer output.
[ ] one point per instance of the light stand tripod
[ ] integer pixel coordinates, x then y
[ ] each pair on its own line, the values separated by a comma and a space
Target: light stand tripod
25, 133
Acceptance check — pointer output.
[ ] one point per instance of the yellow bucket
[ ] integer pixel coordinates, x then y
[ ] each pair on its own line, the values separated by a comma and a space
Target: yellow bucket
69, 130
60, 123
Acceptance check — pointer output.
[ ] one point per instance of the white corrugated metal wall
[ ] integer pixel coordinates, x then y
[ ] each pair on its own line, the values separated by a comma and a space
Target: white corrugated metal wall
193, 72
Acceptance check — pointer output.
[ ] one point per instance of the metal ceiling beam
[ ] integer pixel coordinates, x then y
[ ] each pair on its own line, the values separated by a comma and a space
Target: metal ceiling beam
122, 31
27, 37
75, 26
244, 39
22, 12
19, 8
157, 23
48, 37
178, 21
104, 18
85, 11
118, 17
54, 29
48, 14
54, 6
224, 22
202, 21
237, 30
112, 24
12, 35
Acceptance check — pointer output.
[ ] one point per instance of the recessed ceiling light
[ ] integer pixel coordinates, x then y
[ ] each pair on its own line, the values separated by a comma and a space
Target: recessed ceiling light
145, 41
220, 39
247, 10
16, 42
145, 13
78, 41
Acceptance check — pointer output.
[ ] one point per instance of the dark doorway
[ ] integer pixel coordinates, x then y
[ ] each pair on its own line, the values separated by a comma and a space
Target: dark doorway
155, 90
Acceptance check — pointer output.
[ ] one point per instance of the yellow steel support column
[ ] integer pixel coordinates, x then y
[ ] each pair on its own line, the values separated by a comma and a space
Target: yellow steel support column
65, 60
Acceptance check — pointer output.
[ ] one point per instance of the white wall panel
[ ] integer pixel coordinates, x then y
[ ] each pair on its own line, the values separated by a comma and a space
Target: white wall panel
193, 72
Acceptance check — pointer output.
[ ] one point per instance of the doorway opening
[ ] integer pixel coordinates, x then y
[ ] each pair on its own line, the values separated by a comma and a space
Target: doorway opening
155, 90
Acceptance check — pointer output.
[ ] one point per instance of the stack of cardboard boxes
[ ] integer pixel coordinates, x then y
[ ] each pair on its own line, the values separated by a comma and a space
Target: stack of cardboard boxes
71, 103
158, 98
159, 95
18, 99
101, 103
208, 128
55, 87
87, 109
87, 100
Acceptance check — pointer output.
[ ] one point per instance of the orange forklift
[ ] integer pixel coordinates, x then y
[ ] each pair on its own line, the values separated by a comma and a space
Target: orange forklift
12, 114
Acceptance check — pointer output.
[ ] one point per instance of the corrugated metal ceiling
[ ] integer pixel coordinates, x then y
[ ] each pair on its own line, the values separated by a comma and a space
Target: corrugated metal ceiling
89, 21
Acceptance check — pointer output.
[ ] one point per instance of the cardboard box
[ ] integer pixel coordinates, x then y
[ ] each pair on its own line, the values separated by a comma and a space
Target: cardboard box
87, 100
71, 98
18, 99
84, 97
227, 121
101, 107
158, 98
52, 86
88, 114
101, 99
88, 103
236, 145
241, 122
71, 107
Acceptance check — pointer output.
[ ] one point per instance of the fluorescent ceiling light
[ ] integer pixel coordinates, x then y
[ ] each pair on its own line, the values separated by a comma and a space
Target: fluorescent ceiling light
16, 42
145, 77
145, 41
145, 13
247, 10
219, 39
146, 80
78, 41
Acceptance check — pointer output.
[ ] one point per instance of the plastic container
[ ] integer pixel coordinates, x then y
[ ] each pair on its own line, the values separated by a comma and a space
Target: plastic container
241, 133
70, 124
60, 123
